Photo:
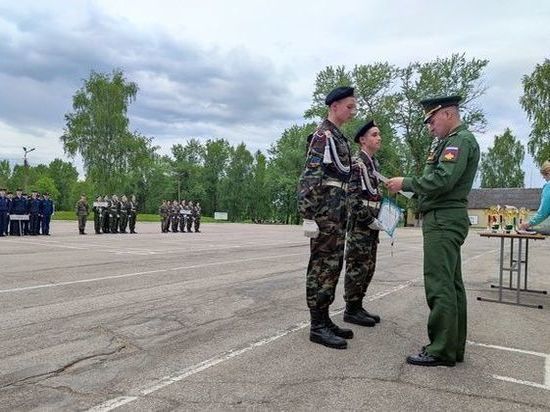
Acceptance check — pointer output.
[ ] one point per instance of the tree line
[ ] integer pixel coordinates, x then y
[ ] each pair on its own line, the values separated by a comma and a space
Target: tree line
262, 187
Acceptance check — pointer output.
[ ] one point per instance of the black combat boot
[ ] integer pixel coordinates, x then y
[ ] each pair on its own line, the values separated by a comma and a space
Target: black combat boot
338, 331
322, 334
354, 313
371, 315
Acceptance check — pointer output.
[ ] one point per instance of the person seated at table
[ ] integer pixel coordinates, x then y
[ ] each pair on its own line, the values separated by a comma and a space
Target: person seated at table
544, 208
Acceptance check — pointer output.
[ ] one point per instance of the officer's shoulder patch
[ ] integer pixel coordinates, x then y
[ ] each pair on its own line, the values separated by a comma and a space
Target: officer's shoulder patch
450, 154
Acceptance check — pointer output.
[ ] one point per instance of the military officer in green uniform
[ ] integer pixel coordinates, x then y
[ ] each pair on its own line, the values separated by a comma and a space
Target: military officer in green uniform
322, 205
442, 192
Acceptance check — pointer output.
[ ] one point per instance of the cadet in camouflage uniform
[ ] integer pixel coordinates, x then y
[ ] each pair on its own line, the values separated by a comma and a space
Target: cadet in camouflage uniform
164, 212
174, 215
189, 215
363, 226
322, 205
124, 206
82, 209
132, 214
197, 217
182, 216
114, 214
442, 199
98, 212
106, 224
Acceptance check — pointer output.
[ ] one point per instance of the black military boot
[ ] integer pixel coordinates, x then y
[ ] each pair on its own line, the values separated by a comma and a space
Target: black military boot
338, 331
354, 313
321, 333
371, 315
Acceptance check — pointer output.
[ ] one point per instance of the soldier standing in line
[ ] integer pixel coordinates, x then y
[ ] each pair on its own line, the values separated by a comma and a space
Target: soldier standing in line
18, 207
82, 209
442, 192
363, 226
190, 217
98, 212
4, 211
174, 215
164, 212
124, 206
132, 214
9, 195
105, 221
322, 205
26, 223
183, 216
34, 214
48, 209
197, 216
114, 214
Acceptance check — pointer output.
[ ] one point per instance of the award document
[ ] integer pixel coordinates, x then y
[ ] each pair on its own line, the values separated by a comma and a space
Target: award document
389, 215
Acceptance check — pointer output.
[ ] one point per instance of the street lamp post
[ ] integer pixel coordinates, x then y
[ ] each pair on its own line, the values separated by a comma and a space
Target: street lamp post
26, 166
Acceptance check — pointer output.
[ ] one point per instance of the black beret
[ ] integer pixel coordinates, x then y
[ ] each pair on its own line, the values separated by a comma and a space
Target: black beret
18, 190
432, 105
338, 94
46, 194
364, 130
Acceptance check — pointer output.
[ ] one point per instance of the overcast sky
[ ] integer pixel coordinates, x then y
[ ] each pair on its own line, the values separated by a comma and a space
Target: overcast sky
245, 70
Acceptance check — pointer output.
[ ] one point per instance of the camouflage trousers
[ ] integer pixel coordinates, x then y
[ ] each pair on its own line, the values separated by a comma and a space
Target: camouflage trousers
327, 250
361, 248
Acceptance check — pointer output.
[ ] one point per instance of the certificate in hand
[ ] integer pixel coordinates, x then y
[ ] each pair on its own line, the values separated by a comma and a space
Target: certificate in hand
389, 215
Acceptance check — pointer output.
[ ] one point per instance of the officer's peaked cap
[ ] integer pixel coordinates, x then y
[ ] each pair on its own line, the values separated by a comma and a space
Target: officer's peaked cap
433, 104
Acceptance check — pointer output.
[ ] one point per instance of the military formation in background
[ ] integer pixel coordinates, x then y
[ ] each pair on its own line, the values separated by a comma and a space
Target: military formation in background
111, 214
179, 216
22, 215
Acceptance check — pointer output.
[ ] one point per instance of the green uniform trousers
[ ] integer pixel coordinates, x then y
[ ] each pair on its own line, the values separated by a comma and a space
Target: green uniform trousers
444, 231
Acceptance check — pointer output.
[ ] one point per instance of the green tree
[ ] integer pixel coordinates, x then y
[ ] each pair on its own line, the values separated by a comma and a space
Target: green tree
287, 158
216, 156
46, 184
501, 165
5, 173
259, 208
443, 76
187, 170
65, 176
97, 129
536, 103
235, 189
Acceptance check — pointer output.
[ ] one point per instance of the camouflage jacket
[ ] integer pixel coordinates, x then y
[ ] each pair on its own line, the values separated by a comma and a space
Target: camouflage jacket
363, 185
328, 157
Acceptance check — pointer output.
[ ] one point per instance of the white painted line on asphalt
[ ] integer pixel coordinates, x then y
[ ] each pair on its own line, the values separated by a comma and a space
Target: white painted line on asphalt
127, 275
545, 356
114, 403
527, 383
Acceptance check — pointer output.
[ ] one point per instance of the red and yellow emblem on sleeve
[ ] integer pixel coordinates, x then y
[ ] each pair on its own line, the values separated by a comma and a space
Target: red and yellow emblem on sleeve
450, 154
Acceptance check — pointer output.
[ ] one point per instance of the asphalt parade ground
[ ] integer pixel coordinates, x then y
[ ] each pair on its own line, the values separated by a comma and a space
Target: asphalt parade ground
218, 321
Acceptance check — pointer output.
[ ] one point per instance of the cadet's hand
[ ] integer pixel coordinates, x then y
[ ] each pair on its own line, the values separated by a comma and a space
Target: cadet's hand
377, 225
395, 184
310, 228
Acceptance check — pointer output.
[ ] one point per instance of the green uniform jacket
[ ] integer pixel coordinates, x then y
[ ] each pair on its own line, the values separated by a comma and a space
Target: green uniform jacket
449, 173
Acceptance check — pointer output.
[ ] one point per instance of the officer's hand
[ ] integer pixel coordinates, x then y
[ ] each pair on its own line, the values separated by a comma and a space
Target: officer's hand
395, 184
377, 225
310, 228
